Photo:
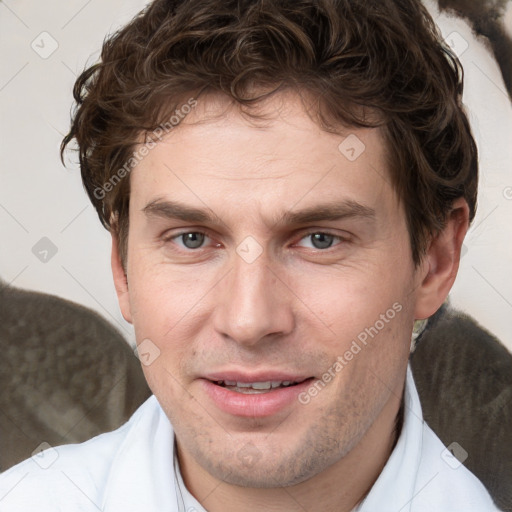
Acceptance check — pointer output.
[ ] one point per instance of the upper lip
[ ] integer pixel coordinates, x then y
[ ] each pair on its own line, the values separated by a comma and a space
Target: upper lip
247, 377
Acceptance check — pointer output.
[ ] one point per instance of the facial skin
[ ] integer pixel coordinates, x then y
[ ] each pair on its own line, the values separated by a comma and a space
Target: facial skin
292, 311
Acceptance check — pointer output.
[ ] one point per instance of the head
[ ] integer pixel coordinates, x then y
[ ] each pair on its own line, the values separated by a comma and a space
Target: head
286, 183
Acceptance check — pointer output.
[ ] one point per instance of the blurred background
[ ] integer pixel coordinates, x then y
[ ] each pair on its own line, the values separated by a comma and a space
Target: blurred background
50, 237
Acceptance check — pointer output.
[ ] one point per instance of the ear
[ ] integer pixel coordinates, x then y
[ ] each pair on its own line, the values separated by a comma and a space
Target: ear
120, 279
441, 262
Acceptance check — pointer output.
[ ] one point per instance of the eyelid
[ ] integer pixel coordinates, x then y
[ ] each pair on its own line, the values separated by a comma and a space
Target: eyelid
298, 238
323, 231
166, 238
339, 240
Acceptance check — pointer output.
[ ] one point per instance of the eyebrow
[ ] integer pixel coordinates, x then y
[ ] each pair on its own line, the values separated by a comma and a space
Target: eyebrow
326, 212
176, 210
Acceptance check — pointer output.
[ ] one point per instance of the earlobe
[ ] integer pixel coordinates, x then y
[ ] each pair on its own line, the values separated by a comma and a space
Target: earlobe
120, 279
441, 262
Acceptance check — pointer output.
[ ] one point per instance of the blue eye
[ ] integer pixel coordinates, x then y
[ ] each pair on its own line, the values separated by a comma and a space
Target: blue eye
191, 240
321, 240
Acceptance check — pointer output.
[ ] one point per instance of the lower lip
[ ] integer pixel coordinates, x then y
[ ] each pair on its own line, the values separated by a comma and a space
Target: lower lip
253, 405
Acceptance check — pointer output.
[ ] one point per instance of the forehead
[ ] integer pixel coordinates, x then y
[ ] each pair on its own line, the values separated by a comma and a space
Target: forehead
265, 165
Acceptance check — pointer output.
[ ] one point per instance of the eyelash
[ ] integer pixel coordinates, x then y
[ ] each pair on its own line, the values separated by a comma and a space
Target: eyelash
340, 239
178, 235
317, 232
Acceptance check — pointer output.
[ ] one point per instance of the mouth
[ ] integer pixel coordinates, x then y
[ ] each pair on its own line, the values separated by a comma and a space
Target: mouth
253, 388
260, 396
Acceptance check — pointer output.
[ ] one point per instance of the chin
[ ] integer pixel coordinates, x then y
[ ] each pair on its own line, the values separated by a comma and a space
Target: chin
265, 474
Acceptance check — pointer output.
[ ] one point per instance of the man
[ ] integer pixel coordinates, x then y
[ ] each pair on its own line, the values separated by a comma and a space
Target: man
288, 185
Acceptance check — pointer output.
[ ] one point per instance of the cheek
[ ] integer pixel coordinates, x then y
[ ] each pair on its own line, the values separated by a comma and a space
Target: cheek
366, 318
160, 296
168, 313
349, 300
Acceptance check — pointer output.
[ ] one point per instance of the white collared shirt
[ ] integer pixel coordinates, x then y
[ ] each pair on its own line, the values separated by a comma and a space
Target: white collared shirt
133, 469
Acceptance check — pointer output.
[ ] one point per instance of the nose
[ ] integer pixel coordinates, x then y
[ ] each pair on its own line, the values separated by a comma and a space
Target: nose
254, 305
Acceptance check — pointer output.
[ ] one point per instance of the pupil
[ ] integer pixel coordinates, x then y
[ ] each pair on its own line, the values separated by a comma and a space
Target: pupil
192, 240
322, 240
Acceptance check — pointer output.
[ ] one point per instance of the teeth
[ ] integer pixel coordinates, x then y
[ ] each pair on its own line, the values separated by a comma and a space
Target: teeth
256, 385
261, 385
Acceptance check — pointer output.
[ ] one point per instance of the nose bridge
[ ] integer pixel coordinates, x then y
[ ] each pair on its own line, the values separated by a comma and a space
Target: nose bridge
252, 306
252, 283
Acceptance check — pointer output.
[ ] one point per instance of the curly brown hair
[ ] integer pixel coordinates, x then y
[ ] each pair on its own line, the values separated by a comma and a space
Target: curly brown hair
367, 63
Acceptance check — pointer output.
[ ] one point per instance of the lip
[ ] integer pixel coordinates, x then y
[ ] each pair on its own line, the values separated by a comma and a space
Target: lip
253, 405
255, 377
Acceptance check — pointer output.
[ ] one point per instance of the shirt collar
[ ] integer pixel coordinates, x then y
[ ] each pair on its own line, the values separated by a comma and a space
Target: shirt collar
394, 488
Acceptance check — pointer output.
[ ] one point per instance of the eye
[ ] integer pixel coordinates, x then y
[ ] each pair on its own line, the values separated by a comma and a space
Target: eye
190, 240
319, 240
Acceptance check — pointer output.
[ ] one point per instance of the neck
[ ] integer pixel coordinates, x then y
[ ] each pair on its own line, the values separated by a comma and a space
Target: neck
338, 488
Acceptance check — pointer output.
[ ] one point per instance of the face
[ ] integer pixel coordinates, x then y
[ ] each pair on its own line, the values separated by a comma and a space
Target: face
270, 270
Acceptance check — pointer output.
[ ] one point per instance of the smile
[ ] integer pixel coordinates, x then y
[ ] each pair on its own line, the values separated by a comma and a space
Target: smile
254, 397
255, 387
